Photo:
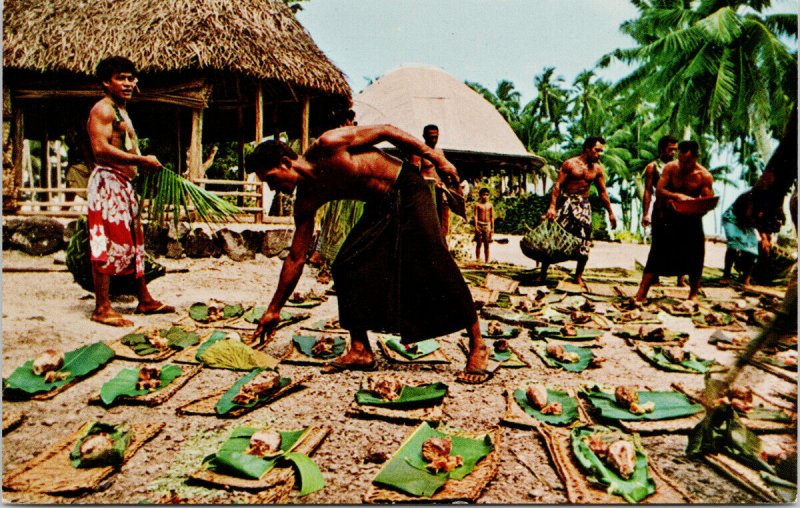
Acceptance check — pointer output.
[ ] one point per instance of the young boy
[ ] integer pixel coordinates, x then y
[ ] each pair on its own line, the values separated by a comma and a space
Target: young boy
483, 220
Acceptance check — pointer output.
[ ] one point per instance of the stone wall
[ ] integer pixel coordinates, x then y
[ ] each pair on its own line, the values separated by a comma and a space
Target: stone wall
39, 236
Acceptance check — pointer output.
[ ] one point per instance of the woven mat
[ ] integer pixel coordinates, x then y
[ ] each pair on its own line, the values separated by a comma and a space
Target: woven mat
158, 397
580, 491
206, 405
498, 283
423, 414
12, 418
484, 295
757, 426
626, 291
296, 357
123, 352
514, 362
723, 293
747, 478
51, 472
517, 416
437, 356
467, 489
566, 286
511, 317
307, 444
596, 288
782, 373
681, 293
11, 497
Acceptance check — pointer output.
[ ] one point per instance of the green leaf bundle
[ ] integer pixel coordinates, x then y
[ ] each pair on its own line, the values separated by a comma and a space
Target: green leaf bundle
634, 489
120, 436
569, 406
231, 459
407, 470
168, 191
79, 362
176, 337
304, 343
415, 350
669, 405
410, 397
226, 403
124, 383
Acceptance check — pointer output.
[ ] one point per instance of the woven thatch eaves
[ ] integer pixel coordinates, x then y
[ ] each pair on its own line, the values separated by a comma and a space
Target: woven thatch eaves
257, 38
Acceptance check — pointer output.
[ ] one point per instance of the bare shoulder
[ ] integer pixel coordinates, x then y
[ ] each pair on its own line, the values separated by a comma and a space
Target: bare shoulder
706, 174
670, 167
334, 138
570, 163
102, 110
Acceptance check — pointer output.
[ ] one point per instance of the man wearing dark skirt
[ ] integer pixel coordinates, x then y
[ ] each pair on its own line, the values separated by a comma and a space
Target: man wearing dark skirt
678, 245
394, 272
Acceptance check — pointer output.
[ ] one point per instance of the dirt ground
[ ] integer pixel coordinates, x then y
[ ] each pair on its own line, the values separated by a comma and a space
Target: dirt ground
42, 310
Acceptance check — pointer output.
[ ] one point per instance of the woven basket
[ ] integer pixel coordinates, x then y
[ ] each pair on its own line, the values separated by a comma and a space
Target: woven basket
550, 243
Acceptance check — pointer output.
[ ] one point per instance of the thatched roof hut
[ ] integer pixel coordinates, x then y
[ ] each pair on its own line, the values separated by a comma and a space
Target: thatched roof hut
210, 70
473, 135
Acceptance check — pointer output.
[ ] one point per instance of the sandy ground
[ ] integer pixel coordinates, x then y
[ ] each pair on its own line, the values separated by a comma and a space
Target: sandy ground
42, 310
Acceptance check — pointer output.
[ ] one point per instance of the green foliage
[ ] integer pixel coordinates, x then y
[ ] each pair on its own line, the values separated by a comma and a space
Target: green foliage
124, 383
669, 405
414, 350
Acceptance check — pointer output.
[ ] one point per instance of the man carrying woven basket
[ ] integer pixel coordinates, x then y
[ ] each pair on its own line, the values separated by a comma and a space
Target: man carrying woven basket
571, 194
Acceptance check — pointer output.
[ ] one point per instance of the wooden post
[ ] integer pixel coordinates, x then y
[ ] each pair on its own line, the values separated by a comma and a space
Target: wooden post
259, 112
44, 168
18, 143
195, 159
178, 143
242, 141
304, 124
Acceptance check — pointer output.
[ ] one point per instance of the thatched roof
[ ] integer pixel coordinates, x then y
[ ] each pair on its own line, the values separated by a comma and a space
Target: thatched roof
257, 38
413, 97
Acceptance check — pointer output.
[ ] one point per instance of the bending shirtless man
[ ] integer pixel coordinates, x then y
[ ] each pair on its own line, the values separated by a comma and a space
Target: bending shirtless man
571, 190
116, 238
394, 272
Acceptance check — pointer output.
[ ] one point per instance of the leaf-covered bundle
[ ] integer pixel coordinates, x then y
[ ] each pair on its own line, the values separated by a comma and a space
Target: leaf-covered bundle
225, 403
176, 337
124, 383
634, 489
668, 405
120, 436
407, 471
78, 363
569, 406
411, 397
231, 459
305, 344
414, 350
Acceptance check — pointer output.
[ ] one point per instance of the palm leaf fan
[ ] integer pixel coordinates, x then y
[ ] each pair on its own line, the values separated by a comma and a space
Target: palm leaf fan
168, 191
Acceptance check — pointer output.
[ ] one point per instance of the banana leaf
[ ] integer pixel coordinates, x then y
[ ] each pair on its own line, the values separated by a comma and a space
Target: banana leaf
199, 311
554, 332
215, 337
233, 354
306, 342
177, 338
632, 332
766, 414
693, 363
411, 397
500, 356
415, 350
632, 490
722, 431
226, 403
80, 362
119, 434
585, 357
507, 332
669, 405
168, 191
569, 407
124, 383
723, 319
254, 314
407, 470
231, 459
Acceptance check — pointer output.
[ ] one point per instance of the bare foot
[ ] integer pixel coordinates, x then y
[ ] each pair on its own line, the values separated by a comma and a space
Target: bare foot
681, 282
724, 281
110, 317
478, 360
154, 307
355, 358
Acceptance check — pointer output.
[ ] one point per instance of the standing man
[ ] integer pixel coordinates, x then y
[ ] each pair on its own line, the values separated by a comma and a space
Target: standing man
571, 193
678, 240
483, 221
667, 148
430, 133
394, 272
116, 238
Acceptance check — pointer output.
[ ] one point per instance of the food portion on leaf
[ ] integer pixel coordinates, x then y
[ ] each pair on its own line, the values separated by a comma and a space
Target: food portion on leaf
415, 350
549, 405
386, 390
204, 313
324, 348
627, 403
557, 352
137, 382
76, 364
613, 459
101, 444
264, 443
436, 451
156, 341
627, 397
254, 387
386, 387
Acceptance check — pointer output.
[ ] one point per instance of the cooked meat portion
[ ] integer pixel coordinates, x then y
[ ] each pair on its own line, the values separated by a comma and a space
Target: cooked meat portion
536, 393
264, 442
48, 361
